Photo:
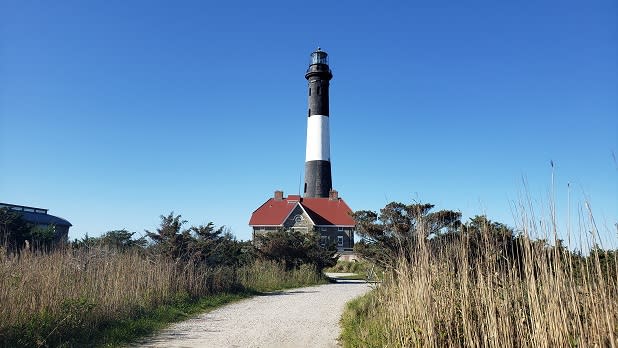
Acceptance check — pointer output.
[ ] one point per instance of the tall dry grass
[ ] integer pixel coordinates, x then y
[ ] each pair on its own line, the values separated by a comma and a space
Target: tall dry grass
47, 296
547, 298
45, 299
268, 275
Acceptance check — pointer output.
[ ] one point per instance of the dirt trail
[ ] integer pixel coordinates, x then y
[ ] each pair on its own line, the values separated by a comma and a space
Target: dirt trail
304, 317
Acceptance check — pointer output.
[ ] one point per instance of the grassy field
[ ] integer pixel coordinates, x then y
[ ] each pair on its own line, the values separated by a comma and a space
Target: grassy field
99, 297
550, 297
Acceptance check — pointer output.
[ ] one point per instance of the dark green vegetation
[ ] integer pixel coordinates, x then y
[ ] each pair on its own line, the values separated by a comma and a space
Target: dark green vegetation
114, 289
479, 283
359, 327
15, 231
295, 248
388, 236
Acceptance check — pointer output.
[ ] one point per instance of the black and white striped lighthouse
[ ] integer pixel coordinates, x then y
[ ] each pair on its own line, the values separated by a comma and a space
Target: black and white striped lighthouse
318, 180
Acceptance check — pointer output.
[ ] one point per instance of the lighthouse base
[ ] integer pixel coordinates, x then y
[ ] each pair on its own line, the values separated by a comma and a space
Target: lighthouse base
318, 180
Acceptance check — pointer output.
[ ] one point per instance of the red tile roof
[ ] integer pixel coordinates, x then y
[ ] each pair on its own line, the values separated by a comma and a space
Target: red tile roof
323, 211
272, 213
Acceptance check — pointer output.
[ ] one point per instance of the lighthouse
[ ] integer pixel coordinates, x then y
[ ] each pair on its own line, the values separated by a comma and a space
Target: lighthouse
318, 180
321, 210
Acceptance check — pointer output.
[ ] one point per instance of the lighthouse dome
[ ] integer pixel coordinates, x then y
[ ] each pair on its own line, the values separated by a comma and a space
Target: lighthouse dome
319, 57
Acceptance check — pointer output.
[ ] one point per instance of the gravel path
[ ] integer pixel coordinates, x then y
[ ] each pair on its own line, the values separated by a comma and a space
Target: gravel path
304, 317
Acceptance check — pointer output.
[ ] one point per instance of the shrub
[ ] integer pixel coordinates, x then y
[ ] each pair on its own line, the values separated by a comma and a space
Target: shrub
294, 249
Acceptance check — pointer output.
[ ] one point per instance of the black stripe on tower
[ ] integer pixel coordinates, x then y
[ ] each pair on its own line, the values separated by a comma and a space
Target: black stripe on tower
318, 96
318, 180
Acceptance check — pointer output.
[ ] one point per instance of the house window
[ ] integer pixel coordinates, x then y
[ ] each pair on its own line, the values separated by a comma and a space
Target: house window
340, 241
323, 229
340, 229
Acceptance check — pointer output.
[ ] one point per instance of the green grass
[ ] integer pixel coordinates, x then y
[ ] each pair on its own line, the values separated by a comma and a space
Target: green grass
264, 276
359, 328
130, 330
348, 267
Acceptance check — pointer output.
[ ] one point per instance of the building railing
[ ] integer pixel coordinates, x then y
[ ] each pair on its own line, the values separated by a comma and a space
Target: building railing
23, 208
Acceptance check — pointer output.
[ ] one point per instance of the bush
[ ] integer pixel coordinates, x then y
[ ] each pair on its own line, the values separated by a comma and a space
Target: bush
294, 249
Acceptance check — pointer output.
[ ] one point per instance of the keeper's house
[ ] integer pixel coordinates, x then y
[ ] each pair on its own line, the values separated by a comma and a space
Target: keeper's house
330, 217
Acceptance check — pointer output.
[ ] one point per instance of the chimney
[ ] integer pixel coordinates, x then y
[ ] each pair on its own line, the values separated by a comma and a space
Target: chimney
278, 195
333, 195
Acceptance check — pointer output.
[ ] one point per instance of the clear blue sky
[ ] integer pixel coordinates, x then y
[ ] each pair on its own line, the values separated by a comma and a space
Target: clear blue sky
115, 112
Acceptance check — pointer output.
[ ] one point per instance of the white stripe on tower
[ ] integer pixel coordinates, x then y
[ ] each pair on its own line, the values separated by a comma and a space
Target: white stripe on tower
318, 138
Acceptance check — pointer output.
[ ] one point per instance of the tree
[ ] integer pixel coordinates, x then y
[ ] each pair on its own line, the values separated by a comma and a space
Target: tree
121, 240
201, 245
398, 228
295, 248
16, 233
42, 237
480, 241
14, 230
169, 239
86, 242
214, 246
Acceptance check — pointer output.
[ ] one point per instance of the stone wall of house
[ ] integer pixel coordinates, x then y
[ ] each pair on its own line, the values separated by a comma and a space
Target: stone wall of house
298, 220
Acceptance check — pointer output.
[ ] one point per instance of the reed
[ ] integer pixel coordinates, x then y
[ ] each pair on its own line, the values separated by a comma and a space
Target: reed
70, 297
547, 297
269, 275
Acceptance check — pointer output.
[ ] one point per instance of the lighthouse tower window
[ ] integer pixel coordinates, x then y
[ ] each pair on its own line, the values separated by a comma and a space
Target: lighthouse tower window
309, 91
319, 90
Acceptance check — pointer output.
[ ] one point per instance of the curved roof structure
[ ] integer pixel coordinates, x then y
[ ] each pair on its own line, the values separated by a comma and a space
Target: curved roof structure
38, 216
45, 219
